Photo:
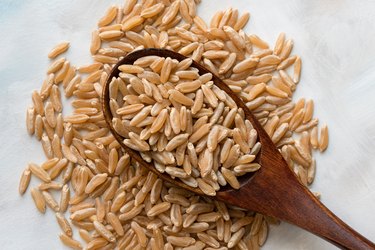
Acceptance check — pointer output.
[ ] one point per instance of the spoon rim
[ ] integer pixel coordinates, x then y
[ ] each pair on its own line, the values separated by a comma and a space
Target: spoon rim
133, 56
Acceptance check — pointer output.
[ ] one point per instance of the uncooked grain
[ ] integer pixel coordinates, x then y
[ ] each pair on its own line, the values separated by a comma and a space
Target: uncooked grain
323, 141
24, 181
70, 242
58, 49
88, 146
50, 201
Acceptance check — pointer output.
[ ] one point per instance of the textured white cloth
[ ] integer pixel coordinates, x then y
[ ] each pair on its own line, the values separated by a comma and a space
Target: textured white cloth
335, 39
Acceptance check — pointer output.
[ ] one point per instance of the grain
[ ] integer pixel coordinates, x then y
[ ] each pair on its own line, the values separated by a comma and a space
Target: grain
236, 237
132, 23
228, 63
280, 132
82, 214
297, 70
263, 233
309, 110
50, 185
116, 224
97, 243
287, 62
279, 43
152, 11
245, 168
56, 169
64, 198
209, 240
295, 156
95, 182
311, 172
56, 99
110, 35
64, 224
104, 232
39, 172
159, 208
171, 12
58, 49
60, 75
230, 178
56, 65
180, 241
206, 188
38, 199
119, 200
24, 181
314, 138
323, 141
50, 201
89, 68
65, 76
76, 118
287, 48
85, 235
30, 120
142, 239
70, 242
296, 119
108, 17
241, 22
68, 154
128, 6
38, 103
245, 65
201, 137
130, 109
299, 105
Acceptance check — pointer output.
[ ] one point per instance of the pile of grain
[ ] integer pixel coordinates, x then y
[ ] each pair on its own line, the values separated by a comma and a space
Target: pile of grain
105, 194
183, 123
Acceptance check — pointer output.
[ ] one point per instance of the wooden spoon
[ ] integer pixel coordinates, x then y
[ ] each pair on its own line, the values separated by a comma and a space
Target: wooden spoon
273, 190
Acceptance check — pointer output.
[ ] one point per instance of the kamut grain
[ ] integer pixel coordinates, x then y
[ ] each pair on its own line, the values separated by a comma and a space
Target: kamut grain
58, 49
86, 141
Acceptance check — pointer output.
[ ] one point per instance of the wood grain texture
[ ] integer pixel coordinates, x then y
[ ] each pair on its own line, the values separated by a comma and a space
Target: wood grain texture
273, 190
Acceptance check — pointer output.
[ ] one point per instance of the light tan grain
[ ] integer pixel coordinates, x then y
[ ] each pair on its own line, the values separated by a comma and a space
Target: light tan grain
108, 17
50, 201
205, 187
39, 172
70, 242
58, 49
241, 22
171, 12
24, 181
95, 182
64, 224
38, 199
64, 198
323, 141
139, 231
297, 70
103, 231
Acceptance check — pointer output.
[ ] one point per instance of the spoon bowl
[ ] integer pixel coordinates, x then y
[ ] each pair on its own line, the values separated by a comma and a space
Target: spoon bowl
273, 190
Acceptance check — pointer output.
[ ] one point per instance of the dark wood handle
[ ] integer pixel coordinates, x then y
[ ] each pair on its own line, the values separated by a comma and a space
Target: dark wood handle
310, 214
292, 202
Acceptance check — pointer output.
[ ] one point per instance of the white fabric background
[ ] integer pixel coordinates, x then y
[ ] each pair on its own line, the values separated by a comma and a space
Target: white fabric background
334, 38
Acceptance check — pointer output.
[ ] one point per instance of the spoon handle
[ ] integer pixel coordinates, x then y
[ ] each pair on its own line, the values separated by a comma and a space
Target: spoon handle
292, 202
307, 212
